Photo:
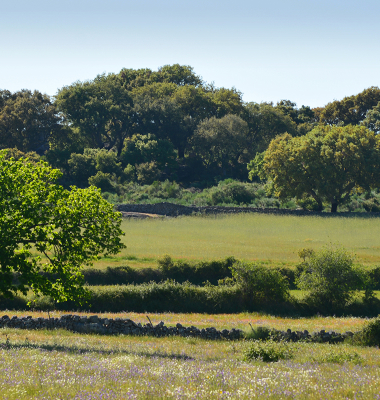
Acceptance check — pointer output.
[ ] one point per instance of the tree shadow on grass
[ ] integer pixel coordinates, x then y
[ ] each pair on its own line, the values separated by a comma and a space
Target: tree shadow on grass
87, 350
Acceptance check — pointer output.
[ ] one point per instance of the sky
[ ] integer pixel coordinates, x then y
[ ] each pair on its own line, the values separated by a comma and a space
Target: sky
308, 51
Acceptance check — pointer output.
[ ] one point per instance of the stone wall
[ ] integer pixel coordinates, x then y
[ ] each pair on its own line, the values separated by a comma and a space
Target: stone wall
174, 210
109, 326
94, 324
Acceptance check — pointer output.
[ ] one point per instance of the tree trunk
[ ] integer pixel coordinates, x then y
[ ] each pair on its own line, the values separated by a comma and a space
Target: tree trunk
181, 152
334, 207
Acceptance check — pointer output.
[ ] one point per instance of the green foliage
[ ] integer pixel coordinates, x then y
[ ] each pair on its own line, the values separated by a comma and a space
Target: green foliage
265, 122
327, 164
102, 181
146, 148
220, 141
352, 109
338, 355
147, 172
369, 335
45, 228
196, 273
27, 120
268, 351
259, 283
372, 119
101, 110
330, 278
259, 333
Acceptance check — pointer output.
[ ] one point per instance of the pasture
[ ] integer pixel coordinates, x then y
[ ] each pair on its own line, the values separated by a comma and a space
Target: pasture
64, 365
267, 238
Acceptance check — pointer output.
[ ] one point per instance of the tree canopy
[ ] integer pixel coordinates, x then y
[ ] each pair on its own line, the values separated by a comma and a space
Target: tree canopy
27, 120
327, 164
47, 231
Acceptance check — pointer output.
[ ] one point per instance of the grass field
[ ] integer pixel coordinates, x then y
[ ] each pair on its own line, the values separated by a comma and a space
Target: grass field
269, 238
63, 365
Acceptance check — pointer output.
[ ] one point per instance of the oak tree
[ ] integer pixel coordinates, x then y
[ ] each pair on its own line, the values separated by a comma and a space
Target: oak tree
47, 231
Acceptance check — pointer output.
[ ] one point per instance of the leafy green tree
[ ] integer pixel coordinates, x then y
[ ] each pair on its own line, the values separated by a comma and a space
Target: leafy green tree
146, 148
265, 122
352, 109
82, 166
220, 141
101, 110
330, 278
259, 283
178, 74
45, 228
27, 120
327, 164
372, 119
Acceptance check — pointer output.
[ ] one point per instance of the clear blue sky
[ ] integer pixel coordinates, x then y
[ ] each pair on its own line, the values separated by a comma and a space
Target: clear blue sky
308, 51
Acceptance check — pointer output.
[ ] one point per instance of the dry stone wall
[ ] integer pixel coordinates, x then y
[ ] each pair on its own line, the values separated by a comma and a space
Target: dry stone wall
174, 210
94, 324
109, 326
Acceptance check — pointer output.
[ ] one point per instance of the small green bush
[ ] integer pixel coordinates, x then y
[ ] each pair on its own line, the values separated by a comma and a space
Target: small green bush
196, 272
338, 355
259, 333
369, 335
330, 278
268, 351
259, 283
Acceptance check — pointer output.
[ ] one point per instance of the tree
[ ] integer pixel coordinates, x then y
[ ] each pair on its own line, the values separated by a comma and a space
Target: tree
46, 230
330, 277
27, 120
265, 122
101, 110
220, 141
372, 119
327, 164
352, 109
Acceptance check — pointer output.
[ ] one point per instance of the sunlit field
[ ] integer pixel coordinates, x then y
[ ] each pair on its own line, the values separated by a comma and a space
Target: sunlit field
63, 365
270, 238
221, 321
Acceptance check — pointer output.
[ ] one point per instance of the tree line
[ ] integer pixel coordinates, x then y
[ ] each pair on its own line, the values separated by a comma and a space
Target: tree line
145, 126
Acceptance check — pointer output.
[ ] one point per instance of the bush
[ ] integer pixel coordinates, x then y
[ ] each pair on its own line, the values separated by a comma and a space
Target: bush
259, 283
103, 181
160, 297
147, 172
196, 273
268, 351
338, 355
330, 278
369, 335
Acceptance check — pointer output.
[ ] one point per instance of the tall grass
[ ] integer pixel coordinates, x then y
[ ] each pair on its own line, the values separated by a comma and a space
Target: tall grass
250, 237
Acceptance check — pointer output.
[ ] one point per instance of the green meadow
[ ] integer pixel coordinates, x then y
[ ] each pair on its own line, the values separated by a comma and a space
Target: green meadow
255, 237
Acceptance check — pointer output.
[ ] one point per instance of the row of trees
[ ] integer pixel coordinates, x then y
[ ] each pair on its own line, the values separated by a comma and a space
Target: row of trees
144, 125
209, 131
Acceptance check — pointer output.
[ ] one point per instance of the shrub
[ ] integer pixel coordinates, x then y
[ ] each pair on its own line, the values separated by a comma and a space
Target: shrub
369, 335
268, 351
330, 277
259, 333
338, 355
147, 172
103, 181
198, 272
259, 283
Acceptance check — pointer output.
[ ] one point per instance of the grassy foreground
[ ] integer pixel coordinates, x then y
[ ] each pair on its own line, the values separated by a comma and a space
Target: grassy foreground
273, 238
63, 365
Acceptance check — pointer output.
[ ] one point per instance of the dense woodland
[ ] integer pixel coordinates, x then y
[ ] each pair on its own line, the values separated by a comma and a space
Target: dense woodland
142, 127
